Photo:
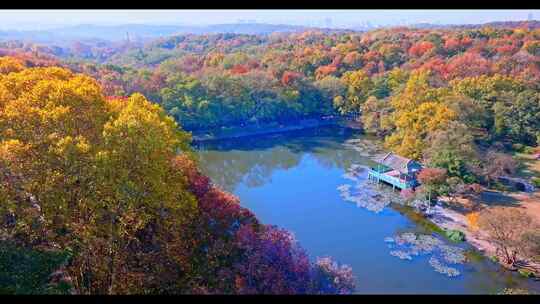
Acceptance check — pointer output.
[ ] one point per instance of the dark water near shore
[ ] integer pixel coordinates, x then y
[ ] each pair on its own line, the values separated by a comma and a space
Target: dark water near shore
292, 179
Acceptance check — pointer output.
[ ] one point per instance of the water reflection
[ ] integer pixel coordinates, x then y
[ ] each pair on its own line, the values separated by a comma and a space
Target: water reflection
252, 160
292, 180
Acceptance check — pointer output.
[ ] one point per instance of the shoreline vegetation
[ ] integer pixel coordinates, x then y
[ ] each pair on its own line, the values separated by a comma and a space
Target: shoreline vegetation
442, 219
247, 130
448, 219
90, 150
105, 194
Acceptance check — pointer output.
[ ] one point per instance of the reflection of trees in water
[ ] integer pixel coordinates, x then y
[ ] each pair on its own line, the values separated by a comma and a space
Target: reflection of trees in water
254, 159
337, 158
227, 169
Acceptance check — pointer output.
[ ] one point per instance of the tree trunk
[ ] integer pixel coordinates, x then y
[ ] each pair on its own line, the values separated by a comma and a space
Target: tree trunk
86, 275
110, 288
508, 258
514, 257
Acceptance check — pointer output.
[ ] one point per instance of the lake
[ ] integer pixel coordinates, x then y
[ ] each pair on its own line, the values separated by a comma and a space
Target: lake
292, 180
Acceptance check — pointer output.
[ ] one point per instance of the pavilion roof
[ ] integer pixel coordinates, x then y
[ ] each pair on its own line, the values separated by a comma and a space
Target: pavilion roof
395, 162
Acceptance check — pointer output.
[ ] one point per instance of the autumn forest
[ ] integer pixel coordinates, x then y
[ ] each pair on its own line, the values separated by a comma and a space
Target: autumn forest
100, 186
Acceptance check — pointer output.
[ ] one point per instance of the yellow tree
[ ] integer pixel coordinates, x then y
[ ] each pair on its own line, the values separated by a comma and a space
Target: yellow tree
358, 86
138, 184
416, 90
10, 64
396, 79
412, 128
50, 122
482, 88
418, 112
85, 174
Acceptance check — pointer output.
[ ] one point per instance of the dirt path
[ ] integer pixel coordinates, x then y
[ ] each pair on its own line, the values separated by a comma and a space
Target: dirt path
529, 202
452, 220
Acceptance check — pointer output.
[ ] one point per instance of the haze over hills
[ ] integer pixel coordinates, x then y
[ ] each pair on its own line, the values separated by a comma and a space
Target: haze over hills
99, 42
142, 31
532, 24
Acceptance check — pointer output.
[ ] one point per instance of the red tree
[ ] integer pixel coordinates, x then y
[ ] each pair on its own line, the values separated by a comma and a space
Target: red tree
469, 64
289, 77
432, 176
325, 70
420, 48
239, 69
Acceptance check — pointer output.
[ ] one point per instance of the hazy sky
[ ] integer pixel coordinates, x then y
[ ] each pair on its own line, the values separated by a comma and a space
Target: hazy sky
35, 19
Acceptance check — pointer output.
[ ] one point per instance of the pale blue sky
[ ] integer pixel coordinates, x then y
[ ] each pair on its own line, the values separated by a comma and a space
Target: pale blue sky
36, 19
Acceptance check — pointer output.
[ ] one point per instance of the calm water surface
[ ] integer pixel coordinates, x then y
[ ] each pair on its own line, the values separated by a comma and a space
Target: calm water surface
291, 180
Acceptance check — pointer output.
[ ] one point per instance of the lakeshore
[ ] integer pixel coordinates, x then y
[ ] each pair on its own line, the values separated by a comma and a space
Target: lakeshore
529, 202
268, 128
296, 179
449, 219
450, 214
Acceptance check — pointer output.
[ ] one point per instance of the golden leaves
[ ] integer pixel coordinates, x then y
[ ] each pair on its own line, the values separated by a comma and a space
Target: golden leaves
413, 126
59, 130
10, 149
10, 64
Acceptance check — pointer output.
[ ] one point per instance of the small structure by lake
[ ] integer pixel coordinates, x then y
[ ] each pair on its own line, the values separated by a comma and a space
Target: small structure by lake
396, 170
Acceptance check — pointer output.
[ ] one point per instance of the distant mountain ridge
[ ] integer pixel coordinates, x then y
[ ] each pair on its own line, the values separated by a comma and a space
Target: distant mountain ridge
531, 24
143, 32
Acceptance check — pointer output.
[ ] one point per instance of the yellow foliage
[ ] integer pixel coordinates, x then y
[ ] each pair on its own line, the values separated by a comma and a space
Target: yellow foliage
397, 77
414, 124
480, 86
416, 91
418, 112
358, 86
10, 64
85, 160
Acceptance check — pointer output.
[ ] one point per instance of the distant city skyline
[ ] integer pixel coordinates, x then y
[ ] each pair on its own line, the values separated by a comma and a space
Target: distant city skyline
47, 19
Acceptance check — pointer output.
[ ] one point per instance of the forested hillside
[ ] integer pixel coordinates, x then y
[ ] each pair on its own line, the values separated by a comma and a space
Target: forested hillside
227, 79
104, 192
96, 162
408, 84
